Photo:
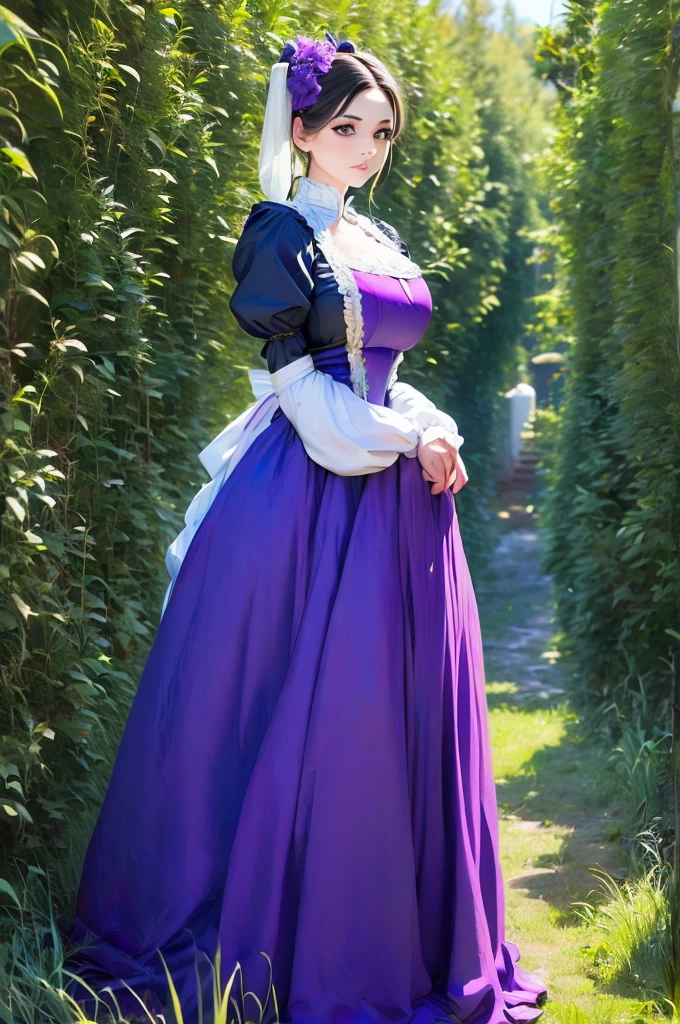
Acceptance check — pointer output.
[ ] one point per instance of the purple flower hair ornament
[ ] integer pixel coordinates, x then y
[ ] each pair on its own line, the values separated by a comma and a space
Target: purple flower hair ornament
293, 85
307, 59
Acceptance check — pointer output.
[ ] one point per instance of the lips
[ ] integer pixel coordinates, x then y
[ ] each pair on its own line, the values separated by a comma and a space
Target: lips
361, 167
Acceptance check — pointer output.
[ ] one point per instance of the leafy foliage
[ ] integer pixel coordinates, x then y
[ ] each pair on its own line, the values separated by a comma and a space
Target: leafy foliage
129, 163
614, 507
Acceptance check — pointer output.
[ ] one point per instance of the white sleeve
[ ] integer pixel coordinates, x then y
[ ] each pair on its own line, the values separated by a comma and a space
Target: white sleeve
433, 423
339, 430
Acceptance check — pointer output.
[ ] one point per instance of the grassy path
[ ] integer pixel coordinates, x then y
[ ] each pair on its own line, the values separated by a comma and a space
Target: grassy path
556, 821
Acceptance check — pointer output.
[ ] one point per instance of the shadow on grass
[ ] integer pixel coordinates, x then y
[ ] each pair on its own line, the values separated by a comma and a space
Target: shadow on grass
562, 785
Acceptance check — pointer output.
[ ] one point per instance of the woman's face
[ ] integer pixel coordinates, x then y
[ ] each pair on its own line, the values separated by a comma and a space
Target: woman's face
353, 147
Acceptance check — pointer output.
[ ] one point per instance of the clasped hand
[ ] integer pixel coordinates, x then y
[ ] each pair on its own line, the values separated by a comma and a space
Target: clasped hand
438, 460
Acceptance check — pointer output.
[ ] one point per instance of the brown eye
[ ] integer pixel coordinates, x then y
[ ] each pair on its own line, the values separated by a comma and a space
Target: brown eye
389, 131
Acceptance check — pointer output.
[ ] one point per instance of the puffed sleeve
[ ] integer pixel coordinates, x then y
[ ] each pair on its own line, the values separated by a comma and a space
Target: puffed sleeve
272, 267
339, 430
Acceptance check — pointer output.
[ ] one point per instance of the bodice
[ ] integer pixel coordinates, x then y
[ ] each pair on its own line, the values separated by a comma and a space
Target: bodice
353, 314
396, 313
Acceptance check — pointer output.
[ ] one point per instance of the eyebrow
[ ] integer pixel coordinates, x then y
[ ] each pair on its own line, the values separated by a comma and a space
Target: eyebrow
385, 120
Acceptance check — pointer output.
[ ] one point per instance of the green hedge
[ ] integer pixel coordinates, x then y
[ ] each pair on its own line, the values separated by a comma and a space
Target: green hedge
129, 163
614, 510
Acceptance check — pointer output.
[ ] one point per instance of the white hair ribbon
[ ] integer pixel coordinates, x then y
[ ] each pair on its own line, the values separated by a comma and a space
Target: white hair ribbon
279, 162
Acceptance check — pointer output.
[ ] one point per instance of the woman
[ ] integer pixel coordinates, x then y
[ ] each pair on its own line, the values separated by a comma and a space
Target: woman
305, 771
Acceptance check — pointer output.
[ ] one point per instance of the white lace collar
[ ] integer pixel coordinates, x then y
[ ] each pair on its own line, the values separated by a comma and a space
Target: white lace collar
321, 205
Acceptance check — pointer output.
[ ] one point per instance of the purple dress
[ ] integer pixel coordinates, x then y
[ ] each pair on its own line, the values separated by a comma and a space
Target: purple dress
306, 769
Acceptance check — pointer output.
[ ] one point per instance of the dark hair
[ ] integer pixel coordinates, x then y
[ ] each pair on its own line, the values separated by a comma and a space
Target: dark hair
350, 74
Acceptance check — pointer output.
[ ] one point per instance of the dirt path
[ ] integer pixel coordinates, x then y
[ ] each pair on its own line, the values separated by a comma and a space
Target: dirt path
555, 820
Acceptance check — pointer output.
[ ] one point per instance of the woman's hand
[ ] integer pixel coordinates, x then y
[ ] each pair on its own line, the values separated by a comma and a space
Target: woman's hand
438, 459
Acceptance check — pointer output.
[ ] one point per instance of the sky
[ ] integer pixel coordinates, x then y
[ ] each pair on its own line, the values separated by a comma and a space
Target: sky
541, 12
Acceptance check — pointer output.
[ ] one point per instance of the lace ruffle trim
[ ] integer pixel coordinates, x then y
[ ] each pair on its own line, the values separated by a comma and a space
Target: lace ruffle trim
354, 319
394, 263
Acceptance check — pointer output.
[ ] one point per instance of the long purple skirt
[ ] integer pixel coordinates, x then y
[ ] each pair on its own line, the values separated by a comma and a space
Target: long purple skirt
305, 771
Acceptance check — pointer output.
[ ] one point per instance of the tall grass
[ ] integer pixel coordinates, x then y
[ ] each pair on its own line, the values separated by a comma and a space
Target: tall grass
34, 976
636, 925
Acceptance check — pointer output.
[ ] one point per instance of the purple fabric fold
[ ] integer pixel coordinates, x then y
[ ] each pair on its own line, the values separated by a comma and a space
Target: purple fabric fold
306, 766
